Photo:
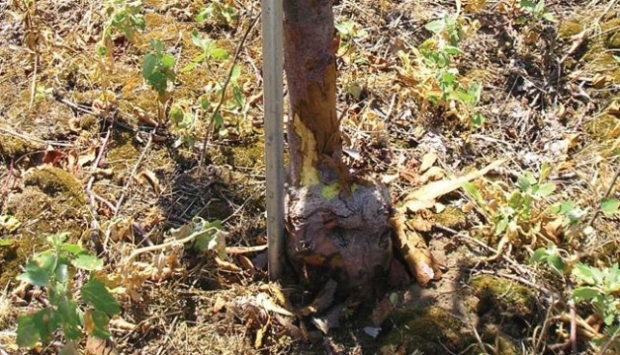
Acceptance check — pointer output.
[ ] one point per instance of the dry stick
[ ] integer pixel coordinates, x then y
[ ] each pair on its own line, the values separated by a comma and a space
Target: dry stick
607, 193
89, 187
223, 95
133, 173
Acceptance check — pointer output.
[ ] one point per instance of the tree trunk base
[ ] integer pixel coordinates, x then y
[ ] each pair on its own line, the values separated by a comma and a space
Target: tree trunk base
346, 238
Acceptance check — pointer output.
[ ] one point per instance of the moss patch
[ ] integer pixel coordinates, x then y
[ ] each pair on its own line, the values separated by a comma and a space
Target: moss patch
505, 302
431, 331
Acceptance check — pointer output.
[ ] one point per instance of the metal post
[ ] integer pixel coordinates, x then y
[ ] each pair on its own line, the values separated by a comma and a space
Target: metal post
272, 23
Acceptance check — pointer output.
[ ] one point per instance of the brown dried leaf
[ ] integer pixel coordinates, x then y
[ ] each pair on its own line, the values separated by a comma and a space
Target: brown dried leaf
428, 160
433, 174
226, 265
414, 251
382, 311
147, 177
436, 189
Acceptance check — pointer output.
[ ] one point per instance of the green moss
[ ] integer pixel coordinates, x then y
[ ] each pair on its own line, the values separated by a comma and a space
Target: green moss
451, 217
599, 127
54, 181
431, 331
123, 153
504, 298
13, 147
569, 28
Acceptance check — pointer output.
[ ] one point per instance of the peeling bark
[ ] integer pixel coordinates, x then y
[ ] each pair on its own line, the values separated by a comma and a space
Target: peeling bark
338, 229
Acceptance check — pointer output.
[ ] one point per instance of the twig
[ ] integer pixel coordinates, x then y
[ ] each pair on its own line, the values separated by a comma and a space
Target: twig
187, 239
607, 193
223, 95
133, 173
28, 137
94, 226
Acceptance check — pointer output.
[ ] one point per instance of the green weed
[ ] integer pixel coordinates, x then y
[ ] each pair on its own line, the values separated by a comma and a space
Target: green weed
54, 269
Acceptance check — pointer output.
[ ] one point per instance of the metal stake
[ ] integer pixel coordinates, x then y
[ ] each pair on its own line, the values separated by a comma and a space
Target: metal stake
272, 34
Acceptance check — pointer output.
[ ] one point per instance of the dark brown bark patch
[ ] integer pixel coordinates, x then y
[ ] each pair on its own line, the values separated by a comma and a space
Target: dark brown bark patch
346, 238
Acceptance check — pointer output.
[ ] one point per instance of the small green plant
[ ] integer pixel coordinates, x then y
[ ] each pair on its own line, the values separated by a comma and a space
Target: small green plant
123, 16
158, 68
513, 212
536, 10
599, 287
210, 50
219, 13
349, 31
54, 269
437, 78
204, 236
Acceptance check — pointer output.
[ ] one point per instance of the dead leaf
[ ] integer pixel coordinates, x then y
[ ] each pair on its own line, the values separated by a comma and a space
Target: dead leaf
268, 305
226, 265
219, 305
419, 223
428, 160
417, 205
245, 250
431, 191
52, 156
433, 174
147, 177
245, 263
382, 311
414, 251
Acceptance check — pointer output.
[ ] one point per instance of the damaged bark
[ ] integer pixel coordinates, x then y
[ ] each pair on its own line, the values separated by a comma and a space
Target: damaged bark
338, 226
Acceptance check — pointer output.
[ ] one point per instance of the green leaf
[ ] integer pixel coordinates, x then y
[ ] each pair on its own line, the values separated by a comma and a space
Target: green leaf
72, 248
218, 120
539, 256
477, 120
6, 242
97, 295
167, 60
219, 53
148, 65
610, 206
39, 269
549, 17
584, 273
87, 262
564, 207
556, 262
35, 327
238, 96
473, 192
236, 73
585, 293
101, 324
27, 334
545, 190
436, 26
9, 223
527, 4
70, 320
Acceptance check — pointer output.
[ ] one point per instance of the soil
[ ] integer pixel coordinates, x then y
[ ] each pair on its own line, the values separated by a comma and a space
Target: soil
88, 148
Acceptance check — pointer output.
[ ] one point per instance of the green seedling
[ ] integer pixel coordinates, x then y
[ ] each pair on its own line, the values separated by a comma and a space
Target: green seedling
123, 16
210, 50
537, 10
220, 14
53, 270
158, 68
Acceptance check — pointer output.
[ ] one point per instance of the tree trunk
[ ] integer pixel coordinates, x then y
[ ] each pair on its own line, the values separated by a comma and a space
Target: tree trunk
338, 225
